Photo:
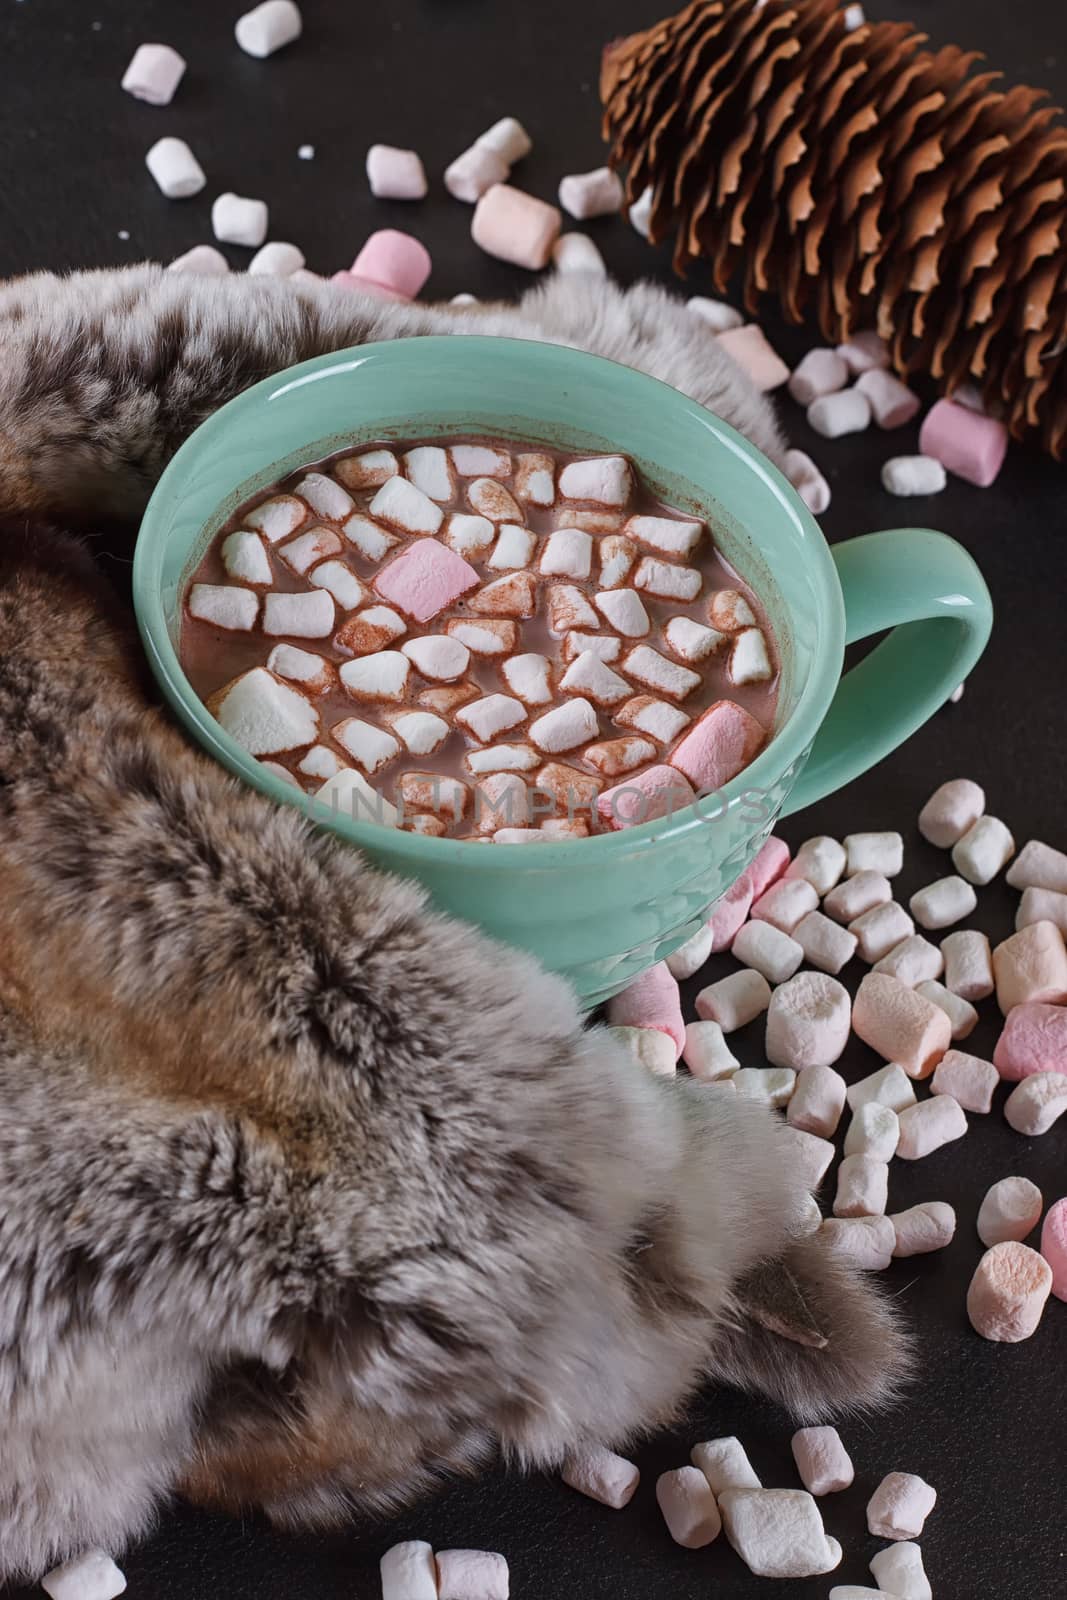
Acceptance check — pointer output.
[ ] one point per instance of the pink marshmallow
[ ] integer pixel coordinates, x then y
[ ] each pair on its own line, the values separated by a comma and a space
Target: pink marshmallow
750, 349
393, 262
729, 912
515, 227
656, 792
651, 1001
1054, 1247
768, 866
425, 579
1008, 1293
719, 746
901, 1025
344, 280
967, 443
1033, 1039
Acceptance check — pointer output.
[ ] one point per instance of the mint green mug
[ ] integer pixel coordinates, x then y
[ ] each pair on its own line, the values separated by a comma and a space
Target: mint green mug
598, 910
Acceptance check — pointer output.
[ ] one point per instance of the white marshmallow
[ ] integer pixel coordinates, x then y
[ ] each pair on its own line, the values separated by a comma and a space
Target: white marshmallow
651, 1048
913, 961
175, 169
666, 581
706, 1053
1011, 1210
427, 468
604, 480
320, 762
523, 836
854, 17
810, 1155
729, 611
203, 259
659, 720
474, 173
826, 945
605, 646
889, 1086
725, 1465
984, 849
348, 794
277, 517
245, 558
576, 252
1041, 905
892, 403
395, 174
438, 657
817, 1101
821, 372
617, 556
1038, 866
470, 536
300, 666
669, 536
900, 1506
873, 1131
567, 554
719, 317
913, 475
941, 904
224, 606
372, 747
864, 1242
961, 1014
785, 903
535, 479
369, 539
689, 1509
735, 1001
301, 616
640, 213
882, 928
951, 810
808, 481
154, 74
508, 139
423, 732
862, 1187
864, 351
306, 549
899, 1569
749, 661
514, 548
480, 461
968, 964
821, 861
835, 415
808, 1022
381, 676
874, 852
565, 727
924, 1228
822, 1461
324, 495
768, 950
92, 1576
492, 714
268, 28
266, 717
529, 677
409, 1572
490, 499
1037, 1103
591, 194
502, 758
368, 470
688, 639
237, 220
691, 956
927, 1126
402, 504
472, 1575
778, 1533
656, 672
587, 674
479, 638
856, 895
773, 1085
276, 260
340, 581
602, 1475
624, 611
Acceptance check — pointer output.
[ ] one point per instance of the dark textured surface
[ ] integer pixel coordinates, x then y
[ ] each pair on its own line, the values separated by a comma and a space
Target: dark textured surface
984, 1423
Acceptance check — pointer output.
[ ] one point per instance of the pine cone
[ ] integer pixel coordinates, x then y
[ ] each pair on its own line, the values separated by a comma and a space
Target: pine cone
862, 177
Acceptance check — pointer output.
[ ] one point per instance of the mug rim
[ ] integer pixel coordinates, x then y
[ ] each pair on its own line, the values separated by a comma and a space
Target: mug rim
782, 750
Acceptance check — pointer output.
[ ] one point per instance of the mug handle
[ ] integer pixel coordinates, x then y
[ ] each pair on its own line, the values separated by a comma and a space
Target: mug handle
928, 590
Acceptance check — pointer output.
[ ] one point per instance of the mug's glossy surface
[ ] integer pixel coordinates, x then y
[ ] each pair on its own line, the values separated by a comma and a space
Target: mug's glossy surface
599, 910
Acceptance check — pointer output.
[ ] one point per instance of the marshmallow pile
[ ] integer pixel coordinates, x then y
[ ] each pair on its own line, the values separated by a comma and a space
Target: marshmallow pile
473, 641
793, 925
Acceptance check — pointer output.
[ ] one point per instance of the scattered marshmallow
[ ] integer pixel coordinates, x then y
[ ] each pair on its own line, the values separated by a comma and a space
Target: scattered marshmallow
810, 1156
1031, 967
370, 630
263, 716
907, 476
970, 445
864, 1242
725, 1465
728, 913
649, 1047
818, 1101
409, 1572
490, 715
822, 1461
864, 352
927, 1126
821, 372
508, 139
576, 252
719, 317
835, 415
154, 74
706, 1053
984, 849
224, 606
1037, 1104
862, 1187
276, 260
773, 1085
857, 895
901, 1025
91, 1576
778, 1533
961, 1014
923, 1228
913, 961
393, 263
395, 174
472, 1575
892, 403
1038, 866
502, 758
646, 714
951, 811
604, 480
488, 636
1011, 1210
1054, 1247
320, 762
873, 1131
535, 479
1042, 905
899, 1507
765, 948
268, 28
369, 538
514, 227
786, 903
942, 903
898, 1570
490, 499
1033, 1039
881, 929
735, 1001
431, 791
423, 732
754, 354
889, 1086
968, 964
807, 1022
874, 852
821, 861
651, 1001
968, 1079
826, 945
175, 169
689, 1509
237, 220
603, 1476
426, 578
591, 194
854, 17
808, 481
1008, 1292
474, 173
427, 468
203, 259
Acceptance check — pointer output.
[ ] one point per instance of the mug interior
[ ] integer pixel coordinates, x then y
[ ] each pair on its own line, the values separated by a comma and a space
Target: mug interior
525, 392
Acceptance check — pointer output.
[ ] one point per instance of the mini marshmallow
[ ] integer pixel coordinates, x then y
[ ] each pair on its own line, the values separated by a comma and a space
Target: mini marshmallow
942, 903
382, 676
651, 1001
409, 1572
685, 1497
970, 445
371, 747
889, 1086
825, 944
706, 1053
244, 557
565, 727
730, 611
237, 220
856, 1591
426, 578
719, 317
821, 372
175, 169
807, 1022
567, 788
613, 757
817, 1102
502, 758
591, 194
474, 173
1042, 905
899, 1506
568, 608
316, 544
968, 1079
490, 499
370, 630
649, 1047
898, 1570
605, 480
427, 468
951, 811
822, 1461
263, 716
154, 74
617, 555
202, 258
437, 657
1038, 866
892, 403
646, 714
778, 1533
863, 352
225, 606
808, 481
626, 614
835, 415
862, 1187
514, 548
514, 595
529, 677
927, 1126
749, 660
422, 731
968, 964
314, 673
728, 913
1031, 967
508, 139
735, 1001
91, 1576
472, 1575
319, 762
489, 636
913, 961
1037, 1103
602, 1475
502, 801
854, 17
821, 861
395, 174
874, 852
923, 1229
1054, 1247
755, 355
810, 1156
786, 903
907, 476
394, 263
666, 581
432, 791
857, 895
568, 553
656, 672
576, 252
724, 1464
481, 461
1008, 1293
902, 1026
773, 1085
765, 948
881, 929
961, 1014
276, 260
874, 1131
268, 28
864, 1242
514, 227
984, 849
1034, 1039
670, 536
492, 714
640, 213
369, 539
470, 536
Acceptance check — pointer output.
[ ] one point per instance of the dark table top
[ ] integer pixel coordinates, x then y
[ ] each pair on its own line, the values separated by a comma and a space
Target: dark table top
984, 1423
